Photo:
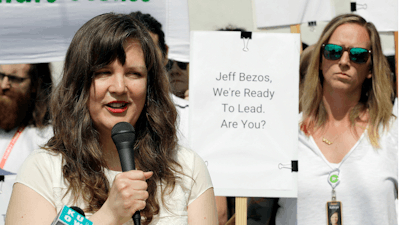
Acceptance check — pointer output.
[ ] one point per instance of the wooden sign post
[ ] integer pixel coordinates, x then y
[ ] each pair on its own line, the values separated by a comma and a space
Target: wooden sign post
296, 30
241, 210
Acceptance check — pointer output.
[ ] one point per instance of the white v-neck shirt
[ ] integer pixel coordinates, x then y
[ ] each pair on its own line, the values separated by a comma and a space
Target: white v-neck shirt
368, 181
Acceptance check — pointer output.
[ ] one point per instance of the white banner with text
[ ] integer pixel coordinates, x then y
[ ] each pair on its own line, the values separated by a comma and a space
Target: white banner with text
33, 31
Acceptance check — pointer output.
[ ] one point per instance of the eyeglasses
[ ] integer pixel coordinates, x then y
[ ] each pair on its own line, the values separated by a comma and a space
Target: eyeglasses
13, 79
334, 52
181, 65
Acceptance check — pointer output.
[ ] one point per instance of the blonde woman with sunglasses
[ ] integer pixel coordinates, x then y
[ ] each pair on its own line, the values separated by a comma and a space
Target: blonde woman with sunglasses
348, 135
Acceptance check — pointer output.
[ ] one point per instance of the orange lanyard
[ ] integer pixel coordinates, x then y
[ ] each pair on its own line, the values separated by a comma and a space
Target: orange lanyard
10, 146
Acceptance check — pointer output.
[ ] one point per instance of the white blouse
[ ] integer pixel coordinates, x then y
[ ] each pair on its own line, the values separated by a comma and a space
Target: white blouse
42, 173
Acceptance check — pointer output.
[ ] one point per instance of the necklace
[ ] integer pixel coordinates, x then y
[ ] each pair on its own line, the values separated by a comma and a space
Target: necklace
326, 141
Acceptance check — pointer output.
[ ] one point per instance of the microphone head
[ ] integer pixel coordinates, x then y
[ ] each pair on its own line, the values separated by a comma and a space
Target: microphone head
123, 132
78, 210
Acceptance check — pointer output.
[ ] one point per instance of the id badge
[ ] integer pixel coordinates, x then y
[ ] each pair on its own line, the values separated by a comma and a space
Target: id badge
334, 213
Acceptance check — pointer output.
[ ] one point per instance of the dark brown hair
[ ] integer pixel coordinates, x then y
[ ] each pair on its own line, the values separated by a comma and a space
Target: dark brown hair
96, 44
154, 27
41, 87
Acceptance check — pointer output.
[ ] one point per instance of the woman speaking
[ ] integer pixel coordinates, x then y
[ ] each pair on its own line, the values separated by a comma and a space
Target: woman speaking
112, 74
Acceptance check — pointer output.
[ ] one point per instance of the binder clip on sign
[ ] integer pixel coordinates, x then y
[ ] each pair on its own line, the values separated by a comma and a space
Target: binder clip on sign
246, 36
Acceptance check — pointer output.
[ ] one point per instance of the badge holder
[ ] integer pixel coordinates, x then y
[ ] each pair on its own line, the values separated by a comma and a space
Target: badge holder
334, 213
334, 207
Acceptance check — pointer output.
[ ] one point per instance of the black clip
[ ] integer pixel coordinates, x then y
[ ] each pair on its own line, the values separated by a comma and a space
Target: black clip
1, 178
245, 35
295, 166
354, 6
312, 25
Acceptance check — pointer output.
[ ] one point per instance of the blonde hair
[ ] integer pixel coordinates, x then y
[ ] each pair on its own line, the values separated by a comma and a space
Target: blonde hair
305, 58
376, 93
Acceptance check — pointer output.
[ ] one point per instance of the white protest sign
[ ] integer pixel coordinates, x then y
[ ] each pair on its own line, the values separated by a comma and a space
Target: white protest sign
33, 31
244, 110
382, 13
273, 13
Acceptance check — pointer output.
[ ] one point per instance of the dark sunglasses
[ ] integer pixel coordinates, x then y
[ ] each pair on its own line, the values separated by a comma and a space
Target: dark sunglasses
181, 65
334, 52
13, 79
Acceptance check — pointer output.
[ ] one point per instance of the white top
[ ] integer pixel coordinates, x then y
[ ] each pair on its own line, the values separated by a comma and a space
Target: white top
42, 172
368, 181
30, 139
182, 107
395, 109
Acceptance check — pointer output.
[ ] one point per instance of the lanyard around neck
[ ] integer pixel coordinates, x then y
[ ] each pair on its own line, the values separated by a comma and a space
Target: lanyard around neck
10, 146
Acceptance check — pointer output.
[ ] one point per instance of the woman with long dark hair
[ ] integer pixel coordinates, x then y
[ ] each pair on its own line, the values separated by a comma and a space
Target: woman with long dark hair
112, 74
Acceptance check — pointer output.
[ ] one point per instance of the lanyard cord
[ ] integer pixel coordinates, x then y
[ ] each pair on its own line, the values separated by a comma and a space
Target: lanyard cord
10, 146
345, 157
333, 176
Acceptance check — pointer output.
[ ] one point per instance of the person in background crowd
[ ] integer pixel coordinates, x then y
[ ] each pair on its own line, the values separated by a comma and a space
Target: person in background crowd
24, 119
182, 106
179, 78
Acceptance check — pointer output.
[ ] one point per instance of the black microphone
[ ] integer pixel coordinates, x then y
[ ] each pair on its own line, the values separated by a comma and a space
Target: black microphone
123, 135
